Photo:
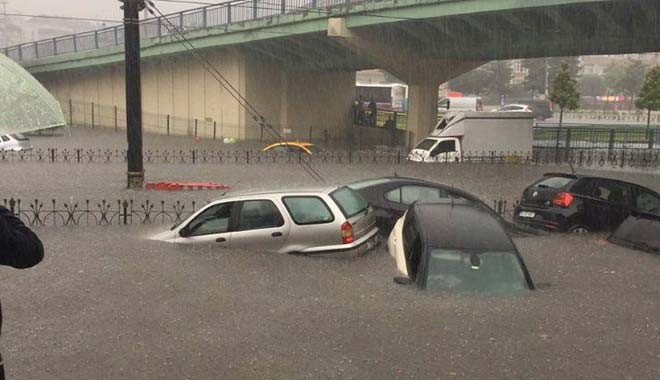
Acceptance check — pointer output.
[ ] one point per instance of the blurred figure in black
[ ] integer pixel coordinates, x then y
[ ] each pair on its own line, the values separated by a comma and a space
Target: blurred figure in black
20, 248
373, 108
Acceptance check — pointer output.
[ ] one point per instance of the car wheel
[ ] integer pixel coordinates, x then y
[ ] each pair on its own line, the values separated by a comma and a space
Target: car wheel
578, 229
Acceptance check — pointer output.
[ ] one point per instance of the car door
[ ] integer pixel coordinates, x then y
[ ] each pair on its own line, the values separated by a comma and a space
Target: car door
259, 225
213, 225
395, 246
609, 205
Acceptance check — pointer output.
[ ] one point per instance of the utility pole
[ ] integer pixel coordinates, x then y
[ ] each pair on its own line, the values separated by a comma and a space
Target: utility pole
135, 171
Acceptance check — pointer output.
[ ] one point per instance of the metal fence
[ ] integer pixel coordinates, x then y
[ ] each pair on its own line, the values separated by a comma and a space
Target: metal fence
37, 213
42, 213
597, 138
216, 15
628, 158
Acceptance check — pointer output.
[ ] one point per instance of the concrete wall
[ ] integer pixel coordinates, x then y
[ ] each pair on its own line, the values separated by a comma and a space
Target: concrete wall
179, 86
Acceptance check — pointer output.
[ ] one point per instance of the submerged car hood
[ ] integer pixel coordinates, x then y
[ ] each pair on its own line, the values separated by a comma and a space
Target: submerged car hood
640, 231
168, 236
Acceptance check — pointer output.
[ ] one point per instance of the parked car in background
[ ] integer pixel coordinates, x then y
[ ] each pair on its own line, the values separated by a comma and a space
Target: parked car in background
315, 221
293, 147
580, 203
15, 142
541, 109
456, 246
464, 103
516, 108
391, 196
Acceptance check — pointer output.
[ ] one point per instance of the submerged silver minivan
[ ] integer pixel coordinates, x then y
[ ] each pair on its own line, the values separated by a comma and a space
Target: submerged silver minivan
15, 142
308, 221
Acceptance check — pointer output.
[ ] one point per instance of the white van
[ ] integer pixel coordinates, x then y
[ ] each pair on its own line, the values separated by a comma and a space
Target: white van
465, 103
460, 134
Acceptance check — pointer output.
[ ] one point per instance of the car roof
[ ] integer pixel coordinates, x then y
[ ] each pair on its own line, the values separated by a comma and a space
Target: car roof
454, 225
516, 105
584, 176
304, 191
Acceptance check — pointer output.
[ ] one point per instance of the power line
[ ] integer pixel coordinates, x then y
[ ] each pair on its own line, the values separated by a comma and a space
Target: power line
235, 93
60, 17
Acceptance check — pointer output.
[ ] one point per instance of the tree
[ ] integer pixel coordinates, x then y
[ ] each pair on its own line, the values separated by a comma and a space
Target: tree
493, 78
592, 85
649, 96
472, 82
538, 68
564, 92
633, 79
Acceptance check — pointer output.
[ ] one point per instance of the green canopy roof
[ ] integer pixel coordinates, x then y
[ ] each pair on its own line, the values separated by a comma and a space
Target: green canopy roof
25, 105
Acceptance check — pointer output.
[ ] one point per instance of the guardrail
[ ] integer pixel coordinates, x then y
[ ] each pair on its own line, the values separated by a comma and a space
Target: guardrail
217, 15
597, 158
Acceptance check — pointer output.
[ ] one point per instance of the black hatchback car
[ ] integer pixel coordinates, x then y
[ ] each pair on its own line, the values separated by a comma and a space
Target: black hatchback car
577, 203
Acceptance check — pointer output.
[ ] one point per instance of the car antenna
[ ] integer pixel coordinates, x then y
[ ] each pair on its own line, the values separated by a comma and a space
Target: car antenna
230, 188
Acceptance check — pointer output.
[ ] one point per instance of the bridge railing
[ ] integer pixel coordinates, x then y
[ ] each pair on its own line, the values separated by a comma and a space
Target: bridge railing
217, 15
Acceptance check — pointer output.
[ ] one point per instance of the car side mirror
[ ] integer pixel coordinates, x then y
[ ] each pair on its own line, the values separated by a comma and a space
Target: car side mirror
402, 280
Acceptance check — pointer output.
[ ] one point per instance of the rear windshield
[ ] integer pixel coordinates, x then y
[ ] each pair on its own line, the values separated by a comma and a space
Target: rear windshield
349, 201
488, 273
19, 137
426, 144
554, 182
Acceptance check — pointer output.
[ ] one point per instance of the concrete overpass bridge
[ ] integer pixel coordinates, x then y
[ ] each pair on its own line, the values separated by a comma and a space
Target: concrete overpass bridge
295, 60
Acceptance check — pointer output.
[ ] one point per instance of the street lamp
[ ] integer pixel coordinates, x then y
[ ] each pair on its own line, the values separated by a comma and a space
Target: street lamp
135, 173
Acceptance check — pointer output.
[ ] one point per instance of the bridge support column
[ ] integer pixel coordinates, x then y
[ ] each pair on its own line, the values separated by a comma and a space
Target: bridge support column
422, 110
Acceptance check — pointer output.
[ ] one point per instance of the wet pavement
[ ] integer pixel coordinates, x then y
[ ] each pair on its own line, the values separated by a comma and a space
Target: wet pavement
106, 303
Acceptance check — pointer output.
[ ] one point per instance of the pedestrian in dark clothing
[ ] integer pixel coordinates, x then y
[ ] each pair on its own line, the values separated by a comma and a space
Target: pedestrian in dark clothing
19, 248
391, 127
373, 108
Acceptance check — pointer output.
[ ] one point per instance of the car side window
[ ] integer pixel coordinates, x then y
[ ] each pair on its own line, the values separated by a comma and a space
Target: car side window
612, 192
394, 195
447, 146
4, 138
646, 201
279, 149
410, 194
213, 220
259, 214
308, 210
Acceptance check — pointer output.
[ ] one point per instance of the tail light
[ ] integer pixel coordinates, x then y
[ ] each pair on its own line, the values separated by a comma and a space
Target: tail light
562, 199
347, 236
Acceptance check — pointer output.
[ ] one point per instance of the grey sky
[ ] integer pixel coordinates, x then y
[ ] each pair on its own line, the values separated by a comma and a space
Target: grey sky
106, 9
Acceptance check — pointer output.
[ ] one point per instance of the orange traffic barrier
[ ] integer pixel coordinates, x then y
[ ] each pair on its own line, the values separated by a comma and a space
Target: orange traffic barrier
179, 186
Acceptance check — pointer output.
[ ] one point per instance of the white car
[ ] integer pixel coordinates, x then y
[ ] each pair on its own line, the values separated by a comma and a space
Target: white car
15, 142
315, 221
516, 108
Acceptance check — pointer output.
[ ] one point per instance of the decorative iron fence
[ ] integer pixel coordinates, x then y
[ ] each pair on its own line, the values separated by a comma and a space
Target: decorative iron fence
51, 213
539, 156
38, 213
216, 15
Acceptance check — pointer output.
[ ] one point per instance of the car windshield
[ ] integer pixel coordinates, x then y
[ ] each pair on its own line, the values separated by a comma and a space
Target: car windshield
486, 272
19, 137
426, 144
554, 182
349, 201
